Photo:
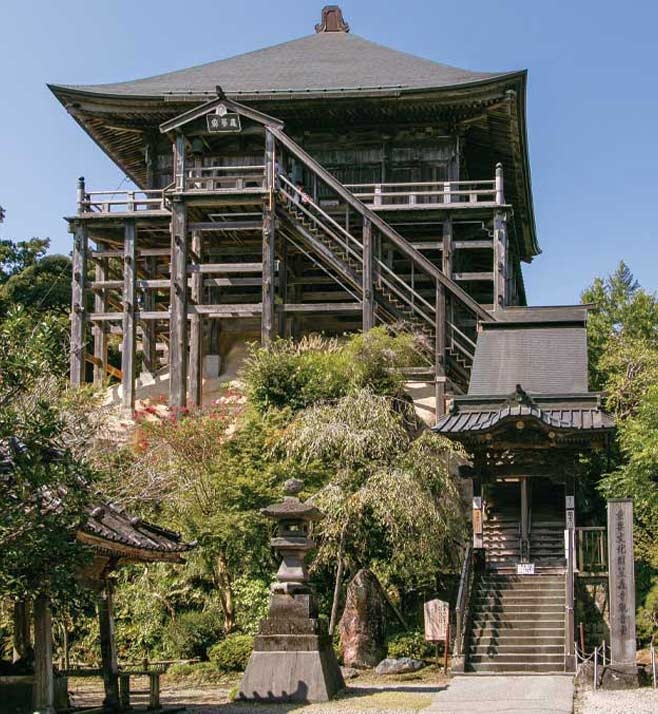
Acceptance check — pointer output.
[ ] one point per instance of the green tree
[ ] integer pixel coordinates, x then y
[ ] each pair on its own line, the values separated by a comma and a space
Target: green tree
623, 361
16, 256
622, 314
46, 487
43, 286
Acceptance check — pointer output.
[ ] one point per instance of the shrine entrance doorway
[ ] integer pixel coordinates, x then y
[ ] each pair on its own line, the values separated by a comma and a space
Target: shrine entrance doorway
524, 521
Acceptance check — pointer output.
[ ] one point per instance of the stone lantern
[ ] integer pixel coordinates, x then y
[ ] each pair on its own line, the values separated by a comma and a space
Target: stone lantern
293, 659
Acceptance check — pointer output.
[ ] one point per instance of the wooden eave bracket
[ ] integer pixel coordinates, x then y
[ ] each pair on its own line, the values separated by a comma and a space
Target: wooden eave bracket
203, 109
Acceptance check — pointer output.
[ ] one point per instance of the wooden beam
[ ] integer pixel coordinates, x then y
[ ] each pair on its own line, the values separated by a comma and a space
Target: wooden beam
196, 327
233, 282
472, 244
322, 307
473, 276
99, 329
440, 350
368, 292
44, 683
225, 268
178, 308
149, 329
78, 305
500, 260
225, 226
268, 326
128, 338
108, 647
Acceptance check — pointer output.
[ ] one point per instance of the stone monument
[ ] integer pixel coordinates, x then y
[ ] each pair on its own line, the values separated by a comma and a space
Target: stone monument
293, 659
622, 672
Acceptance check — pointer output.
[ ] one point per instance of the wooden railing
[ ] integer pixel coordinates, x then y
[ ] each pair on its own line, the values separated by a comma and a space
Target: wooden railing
225, 179
120, 202
591, 551
422, 194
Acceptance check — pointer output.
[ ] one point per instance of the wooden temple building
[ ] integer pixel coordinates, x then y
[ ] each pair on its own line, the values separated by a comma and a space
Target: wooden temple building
329, 184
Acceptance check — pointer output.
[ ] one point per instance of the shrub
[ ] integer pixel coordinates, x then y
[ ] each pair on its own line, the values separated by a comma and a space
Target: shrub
409, 644
191, 634
232, 653
295, 375
198, 673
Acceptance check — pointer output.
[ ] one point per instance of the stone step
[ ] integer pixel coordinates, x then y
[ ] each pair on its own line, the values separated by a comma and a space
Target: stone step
518, 659
517, 622
503, 650
491, 638
518, 668
516, 601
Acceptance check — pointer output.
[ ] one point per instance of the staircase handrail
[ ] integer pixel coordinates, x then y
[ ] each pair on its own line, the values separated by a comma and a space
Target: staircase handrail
347, 236
463, 596
353, 247
403, 245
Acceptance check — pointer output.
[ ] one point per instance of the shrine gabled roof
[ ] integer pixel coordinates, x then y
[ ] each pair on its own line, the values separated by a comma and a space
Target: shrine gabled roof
324, 62
482, 417
108, 527
114, 525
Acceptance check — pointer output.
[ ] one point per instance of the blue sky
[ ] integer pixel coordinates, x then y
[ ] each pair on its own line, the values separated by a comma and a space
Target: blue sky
592, 103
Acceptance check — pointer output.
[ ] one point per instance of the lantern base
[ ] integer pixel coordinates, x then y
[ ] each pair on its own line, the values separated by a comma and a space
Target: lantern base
293, 659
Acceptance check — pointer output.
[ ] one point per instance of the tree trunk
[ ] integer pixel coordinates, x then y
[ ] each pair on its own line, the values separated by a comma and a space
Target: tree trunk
225, 589
22, 645
339, 579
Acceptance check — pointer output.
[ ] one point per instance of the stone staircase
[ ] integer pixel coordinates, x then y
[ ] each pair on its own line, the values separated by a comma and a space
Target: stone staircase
517, 623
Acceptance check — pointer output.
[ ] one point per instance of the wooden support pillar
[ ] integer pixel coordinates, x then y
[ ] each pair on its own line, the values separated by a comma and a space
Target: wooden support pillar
149, 329
282, 285
129, 323
108, 647
178, 307
44, 683
151, 161
440, 350
524, 520
500, 260
268, 319
100, 330
446, 267
368, 278
196, 326
78, 305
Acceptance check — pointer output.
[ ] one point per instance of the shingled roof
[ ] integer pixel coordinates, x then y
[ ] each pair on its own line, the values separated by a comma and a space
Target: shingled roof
114, 525
582, 413
544, 349
108, 527
328, 61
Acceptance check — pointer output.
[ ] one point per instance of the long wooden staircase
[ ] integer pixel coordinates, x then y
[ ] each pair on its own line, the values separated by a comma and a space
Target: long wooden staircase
374, 264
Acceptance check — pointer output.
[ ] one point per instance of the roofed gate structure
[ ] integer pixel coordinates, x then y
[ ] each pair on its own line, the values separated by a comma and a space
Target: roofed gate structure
332, 184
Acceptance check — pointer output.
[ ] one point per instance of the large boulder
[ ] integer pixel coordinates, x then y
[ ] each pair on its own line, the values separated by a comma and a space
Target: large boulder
399, 666
362, 626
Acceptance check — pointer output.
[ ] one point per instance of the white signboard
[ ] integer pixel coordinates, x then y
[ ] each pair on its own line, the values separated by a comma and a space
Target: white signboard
437, 616
525, 568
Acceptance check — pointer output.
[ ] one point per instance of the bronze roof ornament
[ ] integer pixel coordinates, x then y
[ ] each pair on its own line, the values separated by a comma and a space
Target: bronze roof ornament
332, 20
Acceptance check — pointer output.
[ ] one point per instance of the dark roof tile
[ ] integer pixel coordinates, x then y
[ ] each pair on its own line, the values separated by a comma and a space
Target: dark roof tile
323, 61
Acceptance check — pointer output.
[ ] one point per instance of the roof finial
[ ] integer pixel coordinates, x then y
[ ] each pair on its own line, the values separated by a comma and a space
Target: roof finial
332, 20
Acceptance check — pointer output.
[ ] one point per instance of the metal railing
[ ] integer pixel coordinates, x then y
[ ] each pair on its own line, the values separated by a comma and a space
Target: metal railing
424, 193
591, 551
463, 600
